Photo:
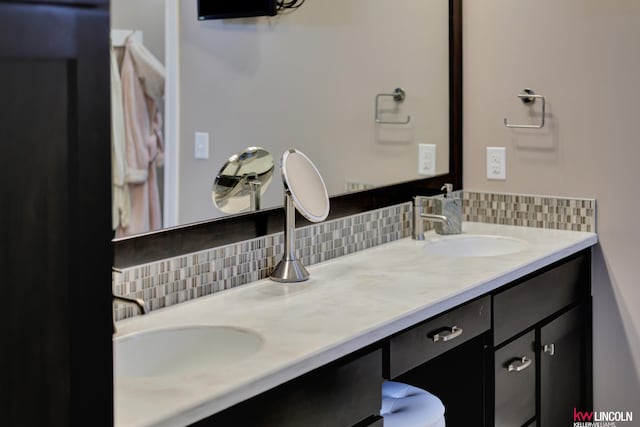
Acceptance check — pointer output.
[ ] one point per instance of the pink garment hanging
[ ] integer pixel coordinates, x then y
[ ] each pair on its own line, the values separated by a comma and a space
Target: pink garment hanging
142, 78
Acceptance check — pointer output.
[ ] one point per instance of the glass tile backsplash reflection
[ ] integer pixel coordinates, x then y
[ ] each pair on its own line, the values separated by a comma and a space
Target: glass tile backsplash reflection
175, 280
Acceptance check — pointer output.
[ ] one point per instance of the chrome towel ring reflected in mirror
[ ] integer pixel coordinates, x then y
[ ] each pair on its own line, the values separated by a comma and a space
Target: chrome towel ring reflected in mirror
398, 95
528, 97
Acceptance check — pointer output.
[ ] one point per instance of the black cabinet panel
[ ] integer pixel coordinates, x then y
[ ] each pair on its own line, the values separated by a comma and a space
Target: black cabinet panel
55, 185
563, 382
33, 160
527, 303
515, 382
342, 394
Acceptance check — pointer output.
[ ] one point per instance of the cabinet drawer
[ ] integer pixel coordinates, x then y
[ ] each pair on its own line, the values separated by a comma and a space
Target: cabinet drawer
422, 343
342, 394
527, 303
515, 376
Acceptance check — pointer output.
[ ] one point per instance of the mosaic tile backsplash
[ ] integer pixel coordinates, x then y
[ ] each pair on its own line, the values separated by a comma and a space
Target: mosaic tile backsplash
179, 279
172, 281
558, 213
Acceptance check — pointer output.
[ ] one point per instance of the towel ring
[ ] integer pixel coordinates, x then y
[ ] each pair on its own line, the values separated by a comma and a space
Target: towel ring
528, 96
398, 95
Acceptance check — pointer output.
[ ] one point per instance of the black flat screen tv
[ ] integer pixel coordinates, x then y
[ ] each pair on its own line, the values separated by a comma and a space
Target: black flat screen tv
223, 9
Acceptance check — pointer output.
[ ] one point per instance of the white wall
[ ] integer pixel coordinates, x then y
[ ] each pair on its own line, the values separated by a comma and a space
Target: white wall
584, 56
308, 80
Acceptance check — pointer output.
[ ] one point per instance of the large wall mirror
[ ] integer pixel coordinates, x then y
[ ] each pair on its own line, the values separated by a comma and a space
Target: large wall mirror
305, 79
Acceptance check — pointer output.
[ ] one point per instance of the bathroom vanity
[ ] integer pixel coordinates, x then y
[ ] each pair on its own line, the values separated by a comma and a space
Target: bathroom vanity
489, 335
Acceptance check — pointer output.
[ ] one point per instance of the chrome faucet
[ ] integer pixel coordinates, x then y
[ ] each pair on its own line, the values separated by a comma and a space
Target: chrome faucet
449, 215
142, 306
419, 218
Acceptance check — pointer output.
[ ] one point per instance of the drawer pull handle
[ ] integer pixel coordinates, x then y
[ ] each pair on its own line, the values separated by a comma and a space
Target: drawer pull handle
550, 349
448, 335
519, 365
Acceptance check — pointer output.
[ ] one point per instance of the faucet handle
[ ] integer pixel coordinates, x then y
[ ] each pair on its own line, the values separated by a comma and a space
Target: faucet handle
447, 188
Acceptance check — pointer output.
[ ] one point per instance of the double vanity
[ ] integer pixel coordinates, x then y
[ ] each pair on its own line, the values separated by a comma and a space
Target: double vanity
489, 320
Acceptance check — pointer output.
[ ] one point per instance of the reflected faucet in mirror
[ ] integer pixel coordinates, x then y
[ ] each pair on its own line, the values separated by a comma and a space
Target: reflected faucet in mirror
139, 303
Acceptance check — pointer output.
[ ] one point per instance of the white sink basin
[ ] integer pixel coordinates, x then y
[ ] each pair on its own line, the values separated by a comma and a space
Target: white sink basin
474, 245
182, 350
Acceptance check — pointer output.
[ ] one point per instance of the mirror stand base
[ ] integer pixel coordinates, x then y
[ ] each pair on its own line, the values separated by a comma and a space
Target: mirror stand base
289, 271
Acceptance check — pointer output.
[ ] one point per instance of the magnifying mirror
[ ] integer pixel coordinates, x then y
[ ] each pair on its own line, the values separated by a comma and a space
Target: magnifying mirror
305, 190
305, 185
242, 180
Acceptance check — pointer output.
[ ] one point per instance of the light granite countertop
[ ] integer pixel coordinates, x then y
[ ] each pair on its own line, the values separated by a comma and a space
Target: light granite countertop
348, 303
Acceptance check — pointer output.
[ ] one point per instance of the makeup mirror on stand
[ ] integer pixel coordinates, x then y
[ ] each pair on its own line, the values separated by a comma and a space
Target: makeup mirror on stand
305, 190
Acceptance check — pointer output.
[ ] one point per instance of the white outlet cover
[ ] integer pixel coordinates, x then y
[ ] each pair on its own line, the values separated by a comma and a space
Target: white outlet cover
427, 159
201, 146
496, 163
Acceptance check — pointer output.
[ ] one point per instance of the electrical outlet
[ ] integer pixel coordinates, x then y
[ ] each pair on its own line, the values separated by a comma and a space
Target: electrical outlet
496, 163
427, 159
201, 148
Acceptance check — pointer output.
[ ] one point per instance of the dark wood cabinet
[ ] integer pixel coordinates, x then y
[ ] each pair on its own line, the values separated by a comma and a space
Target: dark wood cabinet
56, 256
503, 373
447, 356
515, 382
345, 393
563, 367
543, 371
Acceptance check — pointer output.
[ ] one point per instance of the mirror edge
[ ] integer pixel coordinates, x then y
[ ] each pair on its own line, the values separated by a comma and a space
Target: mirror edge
181, 240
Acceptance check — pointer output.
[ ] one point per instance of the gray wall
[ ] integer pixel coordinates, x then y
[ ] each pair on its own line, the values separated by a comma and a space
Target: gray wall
583, 56
144, 15
308, 80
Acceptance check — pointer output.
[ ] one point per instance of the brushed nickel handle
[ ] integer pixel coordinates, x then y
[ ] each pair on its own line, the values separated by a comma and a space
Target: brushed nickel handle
444, 336
519, 365
549, 349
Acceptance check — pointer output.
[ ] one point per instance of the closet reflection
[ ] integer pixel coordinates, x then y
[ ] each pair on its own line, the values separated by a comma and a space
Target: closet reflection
137, 91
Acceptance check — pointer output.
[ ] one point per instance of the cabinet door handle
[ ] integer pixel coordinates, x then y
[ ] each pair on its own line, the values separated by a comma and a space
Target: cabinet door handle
549, 348
519, 365
448, 335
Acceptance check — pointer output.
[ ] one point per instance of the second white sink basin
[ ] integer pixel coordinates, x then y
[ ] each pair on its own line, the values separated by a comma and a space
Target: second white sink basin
474, 245
182, 350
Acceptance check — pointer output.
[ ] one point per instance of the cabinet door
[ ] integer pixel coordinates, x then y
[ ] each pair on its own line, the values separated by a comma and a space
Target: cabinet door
56, 232
562, 368
515, 382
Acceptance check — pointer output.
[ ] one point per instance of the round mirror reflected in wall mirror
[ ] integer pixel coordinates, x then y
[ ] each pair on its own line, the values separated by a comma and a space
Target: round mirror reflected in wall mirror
242, 180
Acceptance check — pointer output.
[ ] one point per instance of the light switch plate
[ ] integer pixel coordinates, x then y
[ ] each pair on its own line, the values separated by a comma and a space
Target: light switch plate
427, 159
201, 149
496, 163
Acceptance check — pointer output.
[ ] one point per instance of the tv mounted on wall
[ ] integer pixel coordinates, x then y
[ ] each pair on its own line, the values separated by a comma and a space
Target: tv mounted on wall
217, 9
